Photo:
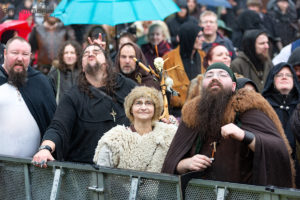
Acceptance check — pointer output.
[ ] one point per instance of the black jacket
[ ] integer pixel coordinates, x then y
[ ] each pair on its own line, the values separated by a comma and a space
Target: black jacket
38, 95
284, 105
80, 121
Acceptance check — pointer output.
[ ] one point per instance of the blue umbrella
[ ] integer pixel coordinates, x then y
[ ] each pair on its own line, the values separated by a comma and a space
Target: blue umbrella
215, 3
113, 12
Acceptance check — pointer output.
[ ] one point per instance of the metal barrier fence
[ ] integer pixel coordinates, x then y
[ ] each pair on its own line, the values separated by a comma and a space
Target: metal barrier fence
70, 181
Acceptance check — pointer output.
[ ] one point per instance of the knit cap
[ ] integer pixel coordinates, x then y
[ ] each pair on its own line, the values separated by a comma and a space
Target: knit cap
219, 65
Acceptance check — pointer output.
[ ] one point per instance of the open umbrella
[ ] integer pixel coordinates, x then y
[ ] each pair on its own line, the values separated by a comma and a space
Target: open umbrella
18, 25
215, 3
112, 12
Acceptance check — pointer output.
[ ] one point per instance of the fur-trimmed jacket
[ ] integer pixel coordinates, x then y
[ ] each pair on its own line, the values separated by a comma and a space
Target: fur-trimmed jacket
269, 164
122, 148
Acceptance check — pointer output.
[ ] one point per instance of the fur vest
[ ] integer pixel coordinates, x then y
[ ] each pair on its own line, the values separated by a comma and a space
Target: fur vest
133, 151
241, 102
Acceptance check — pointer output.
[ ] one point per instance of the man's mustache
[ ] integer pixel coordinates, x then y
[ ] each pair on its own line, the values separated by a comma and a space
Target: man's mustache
214, 82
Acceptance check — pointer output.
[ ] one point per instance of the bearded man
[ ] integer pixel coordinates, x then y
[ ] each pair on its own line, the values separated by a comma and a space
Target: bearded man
230, 136
253, 61
27, 101
87, 111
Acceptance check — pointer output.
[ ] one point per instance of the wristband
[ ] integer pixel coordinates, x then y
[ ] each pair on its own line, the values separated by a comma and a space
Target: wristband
248, 138
46, 147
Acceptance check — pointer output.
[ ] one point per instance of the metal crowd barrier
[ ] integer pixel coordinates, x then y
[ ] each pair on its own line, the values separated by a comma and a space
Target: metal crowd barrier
19, 179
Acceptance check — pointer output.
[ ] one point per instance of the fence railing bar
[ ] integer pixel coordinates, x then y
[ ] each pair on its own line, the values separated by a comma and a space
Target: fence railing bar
27, 182
56, 184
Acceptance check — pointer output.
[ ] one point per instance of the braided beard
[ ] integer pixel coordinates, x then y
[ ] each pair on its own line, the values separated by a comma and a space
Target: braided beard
211, 109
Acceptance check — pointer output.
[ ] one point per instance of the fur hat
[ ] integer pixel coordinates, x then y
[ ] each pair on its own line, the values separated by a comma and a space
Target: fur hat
147, 92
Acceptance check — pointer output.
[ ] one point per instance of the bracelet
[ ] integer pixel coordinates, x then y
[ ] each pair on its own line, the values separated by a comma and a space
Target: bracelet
248, 138
46, 147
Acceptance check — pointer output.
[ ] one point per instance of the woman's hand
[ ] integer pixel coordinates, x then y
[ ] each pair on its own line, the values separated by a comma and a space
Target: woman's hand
171, 120
196, 163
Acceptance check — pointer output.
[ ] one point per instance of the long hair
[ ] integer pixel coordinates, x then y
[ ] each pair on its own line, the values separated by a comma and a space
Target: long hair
78, 50
248, 45
110, 80
138, 53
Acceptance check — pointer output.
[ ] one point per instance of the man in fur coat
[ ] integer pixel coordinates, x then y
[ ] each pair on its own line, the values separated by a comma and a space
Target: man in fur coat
244, 144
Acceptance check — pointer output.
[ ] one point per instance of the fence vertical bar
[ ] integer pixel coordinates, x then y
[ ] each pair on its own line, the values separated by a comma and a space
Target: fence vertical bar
56, 184
27, 182
100, 179
134, 188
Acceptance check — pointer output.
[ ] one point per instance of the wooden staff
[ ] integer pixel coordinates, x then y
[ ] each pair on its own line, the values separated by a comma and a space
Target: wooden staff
163, 91
146, 68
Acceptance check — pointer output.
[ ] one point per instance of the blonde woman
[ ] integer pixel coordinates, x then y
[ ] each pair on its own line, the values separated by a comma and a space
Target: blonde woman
143, 145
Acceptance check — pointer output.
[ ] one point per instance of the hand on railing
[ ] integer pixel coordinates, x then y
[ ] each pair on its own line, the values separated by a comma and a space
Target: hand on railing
40, 158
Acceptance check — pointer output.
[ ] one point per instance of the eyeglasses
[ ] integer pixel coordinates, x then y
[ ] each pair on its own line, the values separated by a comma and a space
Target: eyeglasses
281, 75
141, 103
218, 75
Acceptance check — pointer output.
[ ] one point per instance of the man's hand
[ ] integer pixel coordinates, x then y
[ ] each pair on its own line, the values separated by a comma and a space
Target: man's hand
98, 41
196, 163
40, 158
232, 131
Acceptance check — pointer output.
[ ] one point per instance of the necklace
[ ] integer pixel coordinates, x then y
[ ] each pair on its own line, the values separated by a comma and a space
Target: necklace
18, 94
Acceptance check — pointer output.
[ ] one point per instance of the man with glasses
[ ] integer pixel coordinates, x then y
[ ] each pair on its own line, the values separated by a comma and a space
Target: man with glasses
87, 111
209, 22
282, 91
230, 136
27, 101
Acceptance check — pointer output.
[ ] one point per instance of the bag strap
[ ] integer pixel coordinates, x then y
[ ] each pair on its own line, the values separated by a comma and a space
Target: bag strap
58, 87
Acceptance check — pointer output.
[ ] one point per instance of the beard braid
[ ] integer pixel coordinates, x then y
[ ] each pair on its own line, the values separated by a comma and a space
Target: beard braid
18, 79
211, 109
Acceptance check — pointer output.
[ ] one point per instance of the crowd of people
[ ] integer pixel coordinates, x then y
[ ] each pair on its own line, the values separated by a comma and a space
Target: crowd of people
90, 94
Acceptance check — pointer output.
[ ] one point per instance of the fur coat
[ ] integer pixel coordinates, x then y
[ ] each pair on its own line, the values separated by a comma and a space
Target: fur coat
129, 150
256, 114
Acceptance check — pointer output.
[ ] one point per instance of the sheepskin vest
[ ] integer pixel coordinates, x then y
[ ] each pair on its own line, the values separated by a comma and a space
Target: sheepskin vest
138, 152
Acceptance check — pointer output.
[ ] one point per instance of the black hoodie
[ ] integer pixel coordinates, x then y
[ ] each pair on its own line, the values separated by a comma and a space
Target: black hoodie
284, 105
187, 35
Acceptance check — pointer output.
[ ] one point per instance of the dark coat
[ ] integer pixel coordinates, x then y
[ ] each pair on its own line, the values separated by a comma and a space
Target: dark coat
80, 121
243, 65
150, 52
223, 41
270, 164
63, 81
174, 26
284, 105
285, 24
38, 95
295, 125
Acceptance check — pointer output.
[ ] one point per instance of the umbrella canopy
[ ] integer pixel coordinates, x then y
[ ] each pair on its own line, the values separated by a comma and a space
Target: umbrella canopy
113, 12
215, 3
18, 25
